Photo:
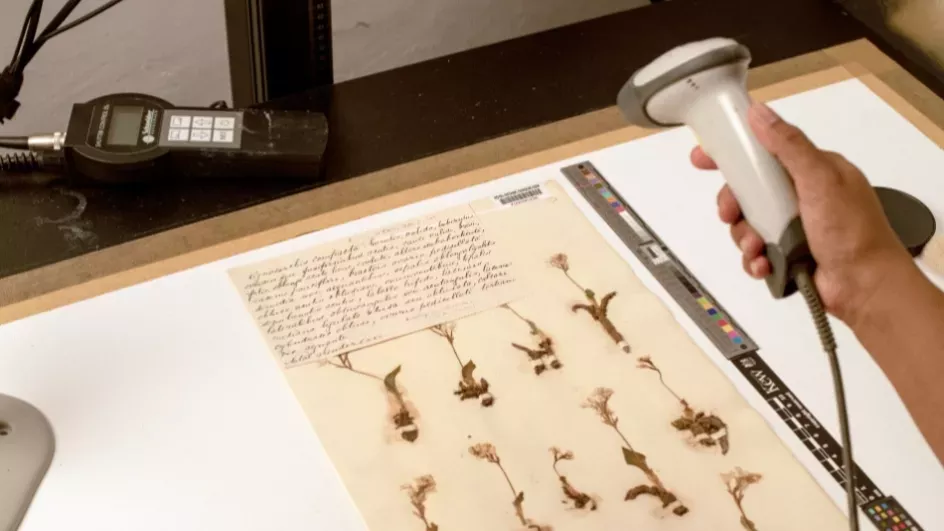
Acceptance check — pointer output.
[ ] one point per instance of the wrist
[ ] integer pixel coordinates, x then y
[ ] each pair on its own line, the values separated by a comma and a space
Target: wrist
886, 291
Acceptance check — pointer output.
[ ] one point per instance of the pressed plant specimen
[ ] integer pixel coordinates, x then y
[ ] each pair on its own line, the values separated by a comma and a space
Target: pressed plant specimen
599, 401
580, 499
487, 452
596, 309
419, 491
402, 418
469, 387
737, 482
542, 355
706, 430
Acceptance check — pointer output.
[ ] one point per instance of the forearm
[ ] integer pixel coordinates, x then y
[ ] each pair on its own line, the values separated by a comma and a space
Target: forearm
903, 330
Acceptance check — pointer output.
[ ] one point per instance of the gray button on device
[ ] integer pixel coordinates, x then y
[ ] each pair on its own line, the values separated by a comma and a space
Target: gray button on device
222, 136
180, 121
203, 122
224, 123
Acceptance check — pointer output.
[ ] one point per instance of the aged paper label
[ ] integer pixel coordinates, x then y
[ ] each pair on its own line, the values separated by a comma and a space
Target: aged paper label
378, 285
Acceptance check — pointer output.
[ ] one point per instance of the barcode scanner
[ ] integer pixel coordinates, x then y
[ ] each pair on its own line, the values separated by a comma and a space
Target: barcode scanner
704, 85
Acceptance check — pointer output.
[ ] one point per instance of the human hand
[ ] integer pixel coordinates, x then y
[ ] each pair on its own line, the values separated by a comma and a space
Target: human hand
855, 248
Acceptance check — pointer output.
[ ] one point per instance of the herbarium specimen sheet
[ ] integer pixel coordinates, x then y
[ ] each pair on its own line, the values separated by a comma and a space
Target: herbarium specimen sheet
497, 367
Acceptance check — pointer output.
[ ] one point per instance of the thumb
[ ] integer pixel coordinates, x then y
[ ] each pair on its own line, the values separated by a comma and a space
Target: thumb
810, 168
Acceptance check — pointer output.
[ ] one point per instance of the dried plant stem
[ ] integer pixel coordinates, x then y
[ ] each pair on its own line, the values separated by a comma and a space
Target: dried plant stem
574, 282
544, 352
469, 387
737, 482
456, 353
514, 491
580, 499
447, 332
346, 365
487, 452
402, 420
597, 310
418, 491
662, 381
706, 430
599, 401
622, 437
518, 315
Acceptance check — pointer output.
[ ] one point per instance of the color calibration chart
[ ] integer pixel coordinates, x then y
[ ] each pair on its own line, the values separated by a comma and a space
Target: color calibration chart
883, 511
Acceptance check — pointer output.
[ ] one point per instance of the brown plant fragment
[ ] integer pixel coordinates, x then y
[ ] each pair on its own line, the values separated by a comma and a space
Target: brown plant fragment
737, 482
419, 491
599, 401
542, 356
402, 419
706, 430
580, 499
487, 452
469, 388
596, 310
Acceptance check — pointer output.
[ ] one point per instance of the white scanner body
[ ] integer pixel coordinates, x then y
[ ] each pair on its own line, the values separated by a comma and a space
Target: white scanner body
703, 85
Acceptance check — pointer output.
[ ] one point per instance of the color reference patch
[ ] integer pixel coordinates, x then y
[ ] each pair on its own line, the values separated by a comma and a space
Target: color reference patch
889, 515
598, 185
715, 314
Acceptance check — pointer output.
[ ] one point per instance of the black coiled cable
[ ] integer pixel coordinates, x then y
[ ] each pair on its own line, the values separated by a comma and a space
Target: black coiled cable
806, 287
19, 163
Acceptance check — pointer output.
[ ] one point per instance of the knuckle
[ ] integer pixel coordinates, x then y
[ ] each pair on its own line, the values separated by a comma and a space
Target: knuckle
790, 133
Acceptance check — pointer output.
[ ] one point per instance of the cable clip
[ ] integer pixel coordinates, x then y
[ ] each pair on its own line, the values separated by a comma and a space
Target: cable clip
10, 84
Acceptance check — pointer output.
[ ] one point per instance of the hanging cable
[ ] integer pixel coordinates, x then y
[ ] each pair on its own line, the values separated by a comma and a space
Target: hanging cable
29, 43
14, 142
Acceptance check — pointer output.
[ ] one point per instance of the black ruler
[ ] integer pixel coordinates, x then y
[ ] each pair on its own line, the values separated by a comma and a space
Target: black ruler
733, 342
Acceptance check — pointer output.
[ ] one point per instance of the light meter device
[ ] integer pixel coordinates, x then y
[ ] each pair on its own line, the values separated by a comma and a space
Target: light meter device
136, 137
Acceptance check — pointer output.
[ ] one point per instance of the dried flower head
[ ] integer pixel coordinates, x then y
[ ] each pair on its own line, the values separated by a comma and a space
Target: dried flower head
420, 488
445, 330
645, 362
560, 455
599, 401
485, 451
738, 480
560, 262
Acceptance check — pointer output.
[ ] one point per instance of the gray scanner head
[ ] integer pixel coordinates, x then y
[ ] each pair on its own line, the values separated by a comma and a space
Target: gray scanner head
26, 449
673, 66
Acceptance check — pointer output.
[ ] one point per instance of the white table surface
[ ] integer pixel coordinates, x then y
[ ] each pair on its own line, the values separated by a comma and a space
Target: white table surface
170, 413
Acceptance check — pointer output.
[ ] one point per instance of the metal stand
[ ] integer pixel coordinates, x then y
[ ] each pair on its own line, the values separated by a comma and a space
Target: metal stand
27, 445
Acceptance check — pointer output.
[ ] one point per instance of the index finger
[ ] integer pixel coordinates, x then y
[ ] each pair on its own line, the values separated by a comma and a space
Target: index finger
701, 160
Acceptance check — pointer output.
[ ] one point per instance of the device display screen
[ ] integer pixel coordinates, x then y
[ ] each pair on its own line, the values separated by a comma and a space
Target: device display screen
125, 124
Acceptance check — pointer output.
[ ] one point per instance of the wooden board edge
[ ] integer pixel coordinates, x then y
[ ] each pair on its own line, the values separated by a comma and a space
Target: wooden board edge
105, 284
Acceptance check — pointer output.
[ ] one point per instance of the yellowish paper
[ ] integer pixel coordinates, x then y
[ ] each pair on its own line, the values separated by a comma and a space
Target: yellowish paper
357, 292
532, 416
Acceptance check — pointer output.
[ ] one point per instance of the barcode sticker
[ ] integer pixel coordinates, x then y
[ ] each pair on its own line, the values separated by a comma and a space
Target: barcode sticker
522, 195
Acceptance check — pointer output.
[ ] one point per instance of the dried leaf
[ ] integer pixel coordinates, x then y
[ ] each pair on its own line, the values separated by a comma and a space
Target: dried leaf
714, 423
467, 371
682, 423
697, 428
635, 459
519, 499
390, 380
584, 307
747, 524
636, 492
725, 445
606, 300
